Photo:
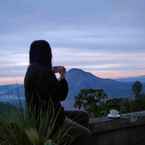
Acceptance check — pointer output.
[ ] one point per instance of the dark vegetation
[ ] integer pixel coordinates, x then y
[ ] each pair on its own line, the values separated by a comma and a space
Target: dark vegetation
97, 103
18, 127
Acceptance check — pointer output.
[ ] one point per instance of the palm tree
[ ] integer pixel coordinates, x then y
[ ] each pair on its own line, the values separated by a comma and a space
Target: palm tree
137, 89
78, 102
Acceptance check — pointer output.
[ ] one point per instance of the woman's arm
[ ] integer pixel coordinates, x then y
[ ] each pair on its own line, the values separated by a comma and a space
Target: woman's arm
46, 84
62, 89
53, 88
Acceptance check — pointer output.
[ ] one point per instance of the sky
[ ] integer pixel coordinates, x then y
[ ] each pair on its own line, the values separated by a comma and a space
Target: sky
104, 37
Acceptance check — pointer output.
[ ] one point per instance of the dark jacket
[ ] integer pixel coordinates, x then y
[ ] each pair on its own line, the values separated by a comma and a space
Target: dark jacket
40, 85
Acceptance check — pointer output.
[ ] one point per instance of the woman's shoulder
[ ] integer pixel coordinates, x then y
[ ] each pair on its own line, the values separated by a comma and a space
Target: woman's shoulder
41, 71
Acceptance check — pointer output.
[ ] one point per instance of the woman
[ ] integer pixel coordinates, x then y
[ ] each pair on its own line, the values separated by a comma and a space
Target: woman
42, 84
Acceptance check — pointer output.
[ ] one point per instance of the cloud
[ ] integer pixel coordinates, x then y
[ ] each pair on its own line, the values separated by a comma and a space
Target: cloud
118, 74
103, 37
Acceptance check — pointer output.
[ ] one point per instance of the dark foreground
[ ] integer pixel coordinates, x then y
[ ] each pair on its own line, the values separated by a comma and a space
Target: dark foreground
127, 130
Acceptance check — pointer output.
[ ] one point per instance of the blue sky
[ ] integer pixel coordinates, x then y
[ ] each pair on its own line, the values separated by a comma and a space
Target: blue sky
105, 37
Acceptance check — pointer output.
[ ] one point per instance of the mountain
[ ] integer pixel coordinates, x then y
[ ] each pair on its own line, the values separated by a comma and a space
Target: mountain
79, 79
133, 79
13, 93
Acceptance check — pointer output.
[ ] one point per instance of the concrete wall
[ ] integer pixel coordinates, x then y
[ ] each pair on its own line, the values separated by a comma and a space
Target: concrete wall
127, 130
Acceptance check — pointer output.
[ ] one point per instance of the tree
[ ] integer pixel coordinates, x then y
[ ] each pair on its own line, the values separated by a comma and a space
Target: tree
137, 89
120, 104
90, 99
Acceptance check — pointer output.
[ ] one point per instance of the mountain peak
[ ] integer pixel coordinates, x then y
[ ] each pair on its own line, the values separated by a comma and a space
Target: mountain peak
76, 70
79, 72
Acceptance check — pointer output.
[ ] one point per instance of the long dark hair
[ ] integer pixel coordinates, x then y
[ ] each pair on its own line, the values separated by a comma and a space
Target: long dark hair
40, 53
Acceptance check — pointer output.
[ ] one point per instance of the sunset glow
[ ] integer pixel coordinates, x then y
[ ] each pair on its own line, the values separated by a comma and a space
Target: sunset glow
105, 38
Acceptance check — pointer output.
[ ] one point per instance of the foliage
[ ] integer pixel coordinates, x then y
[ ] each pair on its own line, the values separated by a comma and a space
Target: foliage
120, 104
137, 105
90, 99
100, 105
18, 127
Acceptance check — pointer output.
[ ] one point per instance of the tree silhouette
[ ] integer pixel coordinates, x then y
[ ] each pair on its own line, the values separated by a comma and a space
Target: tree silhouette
90, 99
137, 89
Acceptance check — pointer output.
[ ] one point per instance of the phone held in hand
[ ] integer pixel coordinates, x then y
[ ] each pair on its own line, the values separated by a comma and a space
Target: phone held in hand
59, 69
57, 76
59, 72
55, 69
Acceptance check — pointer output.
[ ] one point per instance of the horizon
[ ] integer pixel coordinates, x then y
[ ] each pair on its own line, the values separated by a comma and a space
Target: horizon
105, 38
20, 80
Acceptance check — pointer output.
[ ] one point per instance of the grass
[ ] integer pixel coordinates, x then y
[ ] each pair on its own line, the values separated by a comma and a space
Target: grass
17, 127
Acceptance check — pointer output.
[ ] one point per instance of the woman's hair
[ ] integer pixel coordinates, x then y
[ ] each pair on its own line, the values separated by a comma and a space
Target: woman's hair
40, 52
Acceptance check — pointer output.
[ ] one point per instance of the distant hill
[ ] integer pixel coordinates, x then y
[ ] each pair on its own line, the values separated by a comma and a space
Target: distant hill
77, 79
133, 79
13, 93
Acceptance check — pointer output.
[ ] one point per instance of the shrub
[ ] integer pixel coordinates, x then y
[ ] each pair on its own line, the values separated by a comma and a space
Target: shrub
18, 128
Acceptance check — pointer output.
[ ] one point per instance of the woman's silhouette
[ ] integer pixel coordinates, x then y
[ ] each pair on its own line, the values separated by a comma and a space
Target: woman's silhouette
41, 84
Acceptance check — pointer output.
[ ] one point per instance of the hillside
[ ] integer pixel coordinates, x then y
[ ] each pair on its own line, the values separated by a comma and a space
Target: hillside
77, 79
133, 79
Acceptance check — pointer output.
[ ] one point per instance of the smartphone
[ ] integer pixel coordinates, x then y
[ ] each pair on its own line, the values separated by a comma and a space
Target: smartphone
56, 69
57, 76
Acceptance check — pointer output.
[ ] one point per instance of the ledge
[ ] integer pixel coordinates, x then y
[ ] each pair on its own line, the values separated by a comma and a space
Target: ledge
105, 124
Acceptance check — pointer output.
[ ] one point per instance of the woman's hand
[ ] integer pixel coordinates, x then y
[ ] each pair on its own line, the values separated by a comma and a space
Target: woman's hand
62, 74
61, 70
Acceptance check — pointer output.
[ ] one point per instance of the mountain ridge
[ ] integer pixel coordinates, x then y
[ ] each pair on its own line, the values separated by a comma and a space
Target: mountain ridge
79, 79
133, 79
